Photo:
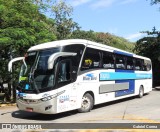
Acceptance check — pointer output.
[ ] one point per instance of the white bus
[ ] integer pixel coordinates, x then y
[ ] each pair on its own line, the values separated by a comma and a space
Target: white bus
73, 74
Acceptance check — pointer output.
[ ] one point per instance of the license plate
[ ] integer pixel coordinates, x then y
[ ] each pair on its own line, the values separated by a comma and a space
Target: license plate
29, 109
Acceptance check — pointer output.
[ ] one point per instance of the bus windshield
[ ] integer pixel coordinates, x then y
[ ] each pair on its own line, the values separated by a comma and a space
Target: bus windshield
34, 74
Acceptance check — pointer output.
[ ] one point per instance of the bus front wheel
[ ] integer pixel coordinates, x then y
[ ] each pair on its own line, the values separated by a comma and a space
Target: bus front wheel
141, 92
87, 103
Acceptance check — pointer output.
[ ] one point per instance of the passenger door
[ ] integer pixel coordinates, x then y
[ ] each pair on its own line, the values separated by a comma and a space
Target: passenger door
67, 100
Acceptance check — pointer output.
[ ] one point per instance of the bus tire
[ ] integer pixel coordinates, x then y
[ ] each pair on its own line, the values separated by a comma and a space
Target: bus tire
87, 103
141, 92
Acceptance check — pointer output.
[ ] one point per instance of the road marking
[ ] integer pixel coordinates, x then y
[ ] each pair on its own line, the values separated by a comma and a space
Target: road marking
140, 119
117, 130
135, 118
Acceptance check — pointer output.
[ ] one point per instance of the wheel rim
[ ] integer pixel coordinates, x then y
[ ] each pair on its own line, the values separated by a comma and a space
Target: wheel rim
85, 103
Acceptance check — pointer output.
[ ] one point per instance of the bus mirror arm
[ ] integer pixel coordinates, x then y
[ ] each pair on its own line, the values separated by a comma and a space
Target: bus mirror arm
12, 61
54, 56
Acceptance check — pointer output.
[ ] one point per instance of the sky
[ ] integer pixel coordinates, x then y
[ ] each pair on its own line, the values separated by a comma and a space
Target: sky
123, 18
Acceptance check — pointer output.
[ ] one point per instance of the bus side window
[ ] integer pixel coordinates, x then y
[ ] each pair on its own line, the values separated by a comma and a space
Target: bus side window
149, 65
108, 60
120, 62
91, 59
75, 48
129, 63
146, 65
138, 64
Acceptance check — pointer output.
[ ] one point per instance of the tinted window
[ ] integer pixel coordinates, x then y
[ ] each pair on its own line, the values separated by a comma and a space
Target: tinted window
108, 60
92, 59
129, 63
64, 71
146, 65
120, 62
76, 48
43, 58
43, 77
138, 64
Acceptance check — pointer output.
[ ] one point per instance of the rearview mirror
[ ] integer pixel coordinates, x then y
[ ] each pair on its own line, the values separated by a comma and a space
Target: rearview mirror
55, 56
14, 60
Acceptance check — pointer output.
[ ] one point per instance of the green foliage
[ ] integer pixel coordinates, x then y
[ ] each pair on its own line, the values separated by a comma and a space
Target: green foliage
155, 2
21, 26
114, 41
150, 47
104, 38
63, 21
80, 34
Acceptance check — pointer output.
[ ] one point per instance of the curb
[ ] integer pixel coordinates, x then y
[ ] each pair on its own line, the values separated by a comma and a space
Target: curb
158, 87
7, 104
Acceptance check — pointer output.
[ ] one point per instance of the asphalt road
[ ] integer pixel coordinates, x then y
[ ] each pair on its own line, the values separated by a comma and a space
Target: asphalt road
130, 110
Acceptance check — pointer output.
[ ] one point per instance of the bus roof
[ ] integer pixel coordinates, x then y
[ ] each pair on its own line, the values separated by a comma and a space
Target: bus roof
60, 43
57, 43
71, 41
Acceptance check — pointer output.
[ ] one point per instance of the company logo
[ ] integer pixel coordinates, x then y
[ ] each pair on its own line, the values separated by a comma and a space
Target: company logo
64, 98
89, 77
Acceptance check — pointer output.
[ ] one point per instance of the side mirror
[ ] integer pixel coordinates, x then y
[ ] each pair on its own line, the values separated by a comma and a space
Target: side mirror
55, 56
12, 61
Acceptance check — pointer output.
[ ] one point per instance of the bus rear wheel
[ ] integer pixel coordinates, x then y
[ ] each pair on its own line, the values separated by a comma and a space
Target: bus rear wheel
87, 103
141, 92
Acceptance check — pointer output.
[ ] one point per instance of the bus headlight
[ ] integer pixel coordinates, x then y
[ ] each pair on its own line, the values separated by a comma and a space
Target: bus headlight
48, 98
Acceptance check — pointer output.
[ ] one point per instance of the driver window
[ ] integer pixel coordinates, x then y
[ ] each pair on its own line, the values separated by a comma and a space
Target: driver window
64, 72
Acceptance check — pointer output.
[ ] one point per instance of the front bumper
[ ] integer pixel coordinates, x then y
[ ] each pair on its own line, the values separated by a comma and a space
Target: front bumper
45, 107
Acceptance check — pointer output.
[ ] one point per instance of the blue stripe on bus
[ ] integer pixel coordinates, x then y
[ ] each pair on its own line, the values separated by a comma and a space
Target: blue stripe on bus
104, 76
122, 53
120, 70
131, 89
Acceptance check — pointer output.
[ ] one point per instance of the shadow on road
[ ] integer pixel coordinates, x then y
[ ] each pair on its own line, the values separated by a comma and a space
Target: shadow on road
156, 89
47, 117
114, 102
42, 117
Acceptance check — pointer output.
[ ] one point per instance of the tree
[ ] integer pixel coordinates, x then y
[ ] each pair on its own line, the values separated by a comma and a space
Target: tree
150, 47
63, 21
104, 38
80, 34
155, 2
21, 26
